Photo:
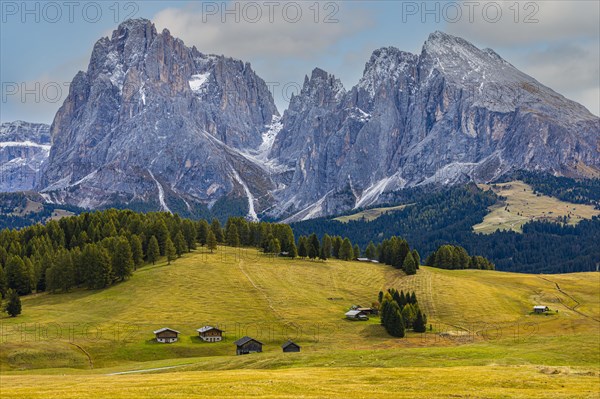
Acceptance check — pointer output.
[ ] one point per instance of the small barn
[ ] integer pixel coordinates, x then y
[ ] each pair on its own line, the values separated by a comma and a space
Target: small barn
290, 346
356, 315
166, 335
210, 334
368, 311
540, 309
246, 345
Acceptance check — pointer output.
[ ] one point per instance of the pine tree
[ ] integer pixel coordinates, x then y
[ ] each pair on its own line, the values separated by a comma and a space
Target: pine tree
109, 229
371, 251
416, 257
409, 266
413, 298
215, 227
17, 277
346, 250
161, 232
408, 315
402, 300
170, 251
211, 241
326, 247
136, 251
336, 245
394, 324
356, 251
153, 250
180, 244
314, 248
53, 279
122, 259
233, 237
97, 266
13, 307
386, 302
293, 252
189, 233
202, 229
380, 296
274, 247
302, 247
420, 323
67, 280
3, 287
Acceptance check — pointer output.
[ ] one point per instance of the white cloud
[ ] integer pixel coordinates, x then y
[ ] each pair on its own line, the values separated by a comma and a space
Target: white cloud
261, 32
527, 22
561, 49
281, 51
571, 69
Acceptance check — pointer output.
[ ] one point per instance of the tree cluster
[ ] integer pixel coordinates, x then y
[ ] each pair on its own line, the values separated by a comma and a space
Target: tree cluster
326, 248
397, 253
96, 250
456, 257
400, 311
92, 250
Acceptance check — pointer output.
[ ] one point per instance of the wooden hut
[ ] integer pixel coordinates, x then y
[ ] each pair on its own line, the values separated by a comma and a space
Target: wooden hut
210, 334
290, 346
246, 345
166, 335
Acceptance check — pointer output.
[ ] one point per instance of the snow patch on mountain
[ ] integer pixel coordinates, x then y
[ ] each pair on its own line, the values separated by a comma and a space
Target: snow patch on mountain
374, 191
251, 211
196, 82
161, 193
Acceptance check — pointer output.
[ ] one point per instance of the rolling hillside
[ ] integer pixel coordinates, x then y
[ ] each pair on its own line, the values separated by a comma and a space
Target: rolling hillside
522, 205
92, 344
369, 214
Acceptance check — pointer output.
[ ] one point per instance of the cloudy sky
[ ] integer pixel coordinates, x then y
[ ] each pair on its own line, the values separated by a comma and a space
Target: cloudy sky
44, 44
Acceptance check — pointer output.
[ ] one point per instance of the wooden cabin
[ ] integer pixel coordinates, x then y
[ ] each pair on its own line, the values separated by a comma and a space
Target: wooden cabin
368, 311
166, 335
210, 334
246, 345
356, 315
290, 346
540, 309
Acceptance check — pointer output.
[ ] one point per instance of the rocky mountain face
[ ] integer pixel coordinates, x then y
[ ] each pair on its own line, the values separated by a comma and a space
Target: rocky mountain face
24, 147
448, 115
155, 121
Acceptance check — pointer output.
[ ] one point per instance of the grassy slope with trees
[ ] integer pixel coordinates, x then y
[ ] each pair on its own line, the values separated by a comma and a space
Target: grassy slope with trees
483, 333
447, 217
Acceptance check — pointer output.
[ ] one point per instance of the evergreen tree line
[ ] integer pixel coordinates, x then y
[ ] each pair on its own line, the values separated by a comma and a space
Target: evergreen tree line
399, 312
96, 250
447, 217
328, 247
577, 191
397, 253
456, 257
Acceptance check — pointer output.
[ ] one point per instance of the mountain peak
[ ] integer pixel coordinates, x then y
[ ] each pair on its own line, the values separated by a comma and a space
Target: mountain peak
440, 42
135, 24
136, 28
322, 82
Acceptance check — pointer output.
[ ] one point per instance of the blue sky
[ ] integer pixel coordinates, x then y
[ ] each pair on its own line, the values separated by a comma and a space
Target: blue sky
44, 44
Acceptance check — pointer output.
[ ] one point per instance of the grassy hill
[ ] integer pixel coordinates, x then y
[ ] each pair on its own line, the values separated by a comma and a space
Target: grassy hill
522, 205
370, 214
484, 343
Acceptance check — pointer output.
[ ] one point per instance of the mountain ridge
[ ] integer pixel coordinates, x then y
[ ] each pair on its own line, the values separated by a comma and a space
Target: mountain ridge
155, 121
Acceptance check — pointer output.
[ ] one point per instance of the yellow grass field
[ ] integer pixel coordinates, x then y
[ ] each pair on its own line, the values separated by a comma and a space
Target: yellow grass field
370, 214
522, 205
484, 340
